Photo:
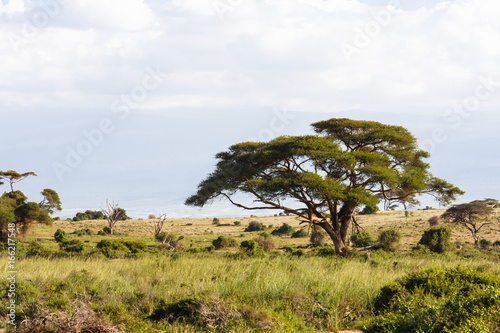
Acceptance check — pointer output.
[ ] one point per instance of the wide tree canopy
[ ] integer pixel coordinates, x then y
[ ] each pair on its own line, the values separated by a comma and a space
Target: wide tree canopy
324, 177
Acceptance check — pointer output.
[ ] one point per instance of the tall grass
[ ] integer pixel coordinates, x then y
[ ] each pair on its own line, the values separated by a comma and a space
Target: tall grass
293, 292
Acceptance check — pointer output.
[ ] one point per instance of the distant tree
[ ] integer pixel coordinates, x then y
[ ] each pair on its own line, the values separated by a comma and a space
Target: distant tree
16, 209
51, 201
369, 210
492, 203
113, 214
14, 177
471, 215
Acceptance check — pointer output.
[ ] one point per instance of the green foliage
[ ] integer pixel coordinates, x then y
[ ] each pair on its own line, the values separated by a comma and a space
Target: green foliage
251, 248
317, 236
223, 242
389, 239
362, 239
106, 230
324, 251
437, 239
434, 301
166, 237
284, 229
471, 215
74, 245
89, 215
135, 246
51, 201
60, 236
301, 233
37, 249
83, 232
237, 223
345, 165
255, 226
369, 209
484, 243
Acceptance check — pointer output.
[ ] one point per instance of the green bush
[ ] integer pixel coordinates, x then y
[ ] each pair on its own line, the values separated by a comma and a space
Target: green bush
135, 246
112, 249
107, 230
37, 249
74, 245
362, 239
284, 229
237, 223
317, 236
434, 300
301, 233
437, 239
255, 226
484, 243
168, 238
223, 242
389, 239
83, 232
369, 210
60, 236
252, 249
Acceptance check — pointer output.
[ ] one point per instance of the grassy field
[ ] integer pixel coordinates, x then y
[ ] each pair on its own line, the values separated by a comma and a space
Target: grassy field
165, 291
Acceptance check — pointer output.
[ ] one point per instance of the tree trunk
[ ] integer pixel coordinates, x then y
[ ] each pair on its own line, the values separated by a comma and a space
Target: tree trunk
336, 237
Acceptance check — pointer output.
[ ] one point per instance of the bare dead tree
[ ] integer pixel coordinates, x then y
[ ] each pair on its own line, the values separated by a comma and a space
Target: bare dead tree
158, 227
112, 214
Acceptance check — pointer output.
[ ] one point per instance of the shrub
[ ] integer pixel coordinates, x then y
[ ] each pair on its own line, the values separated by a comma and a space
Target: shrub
434, 300
369, 210
136, 246
252, 248
74, 245
389, 239
434, 221
265, 234
223, 242
216, 221
168, 237
37, 249
484, 243
83, 232
237, 223
107, 230
255, 226
112, 248
362, 239
324, 251
284, 229
101, 233
437, 239
301, 233
60, 236
317, 236
266, 243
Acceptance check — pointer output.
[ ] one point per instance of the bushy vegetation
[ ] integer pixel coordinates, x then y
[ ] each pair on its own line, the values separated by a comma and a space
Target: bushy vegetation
318, 236
284, 229
436, 300
389, 239
369, 209
300, 233
89, 215
437, 239
362, 239
223, 242
255, 226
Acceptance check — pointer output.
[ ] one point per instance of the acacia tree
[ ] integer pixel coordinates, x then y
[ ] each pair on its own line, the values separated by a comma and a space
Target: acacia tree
51, 201
323, 178
16, 209
471, 215
14, 177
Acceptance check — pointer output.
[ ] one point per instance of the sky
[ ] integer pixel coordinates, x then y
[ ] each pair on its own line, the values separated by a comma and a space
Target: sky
129, 100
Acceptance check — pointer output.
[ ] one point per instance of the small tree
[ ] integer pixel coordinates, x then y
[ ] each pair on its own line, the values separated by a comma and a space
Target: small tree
112, 214
369, 210
470, 215
14, 177
389, 239
51, 201
437, 239
362, 239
